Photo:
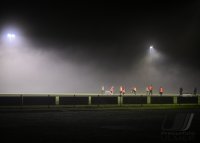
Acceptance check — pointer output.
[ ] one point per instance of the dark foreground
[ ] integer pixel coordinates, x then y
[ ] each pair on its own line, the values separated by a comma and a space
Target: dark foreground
65, 125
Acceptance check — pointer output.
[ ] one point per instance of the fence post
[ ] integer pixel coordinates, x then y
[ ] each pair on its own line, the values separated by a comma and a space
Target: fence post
175, 99
74, 100
49, 100
121, 97
149, 99
89, 100
198, 99
57, 100
119, 100
22, 99
141, 103
98, 101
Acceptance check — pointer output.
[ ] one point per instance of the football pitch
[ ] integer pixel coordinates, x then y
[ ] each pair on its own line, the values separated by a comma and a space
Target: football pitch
91, 125
95, 121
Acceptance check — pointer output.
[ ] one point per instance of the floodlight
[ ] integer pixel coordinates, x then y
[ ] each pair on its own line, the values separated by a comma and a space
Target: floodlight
11, 36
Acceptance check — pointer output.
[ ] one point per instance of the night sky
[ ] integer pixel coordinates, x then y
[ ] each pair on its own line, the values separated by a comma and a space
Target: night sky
111, 40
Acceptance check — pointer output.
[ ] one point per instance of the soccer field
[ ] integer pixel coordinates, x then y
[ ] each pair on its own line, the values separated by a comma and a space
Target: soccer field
22, 125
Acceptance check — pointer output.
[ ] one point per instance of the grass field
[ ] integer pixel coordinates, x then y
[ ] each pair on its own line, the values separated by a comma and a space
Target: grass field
104, 107
72, 126
94, 123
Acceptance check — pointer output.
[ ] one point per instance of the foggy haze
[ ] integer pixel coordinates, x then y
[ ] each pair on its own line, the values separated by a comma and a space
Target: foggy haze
76, 47
28, 69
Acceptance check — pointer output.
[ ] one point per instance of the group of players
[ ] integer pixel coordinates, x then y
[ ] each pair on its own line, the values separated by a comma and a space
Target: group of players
122, 90
149, 90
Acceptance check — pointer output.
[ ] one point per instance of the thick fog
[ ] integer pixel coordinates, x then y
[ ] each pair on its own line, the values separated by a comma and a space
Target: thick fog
25, 68
80, 48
